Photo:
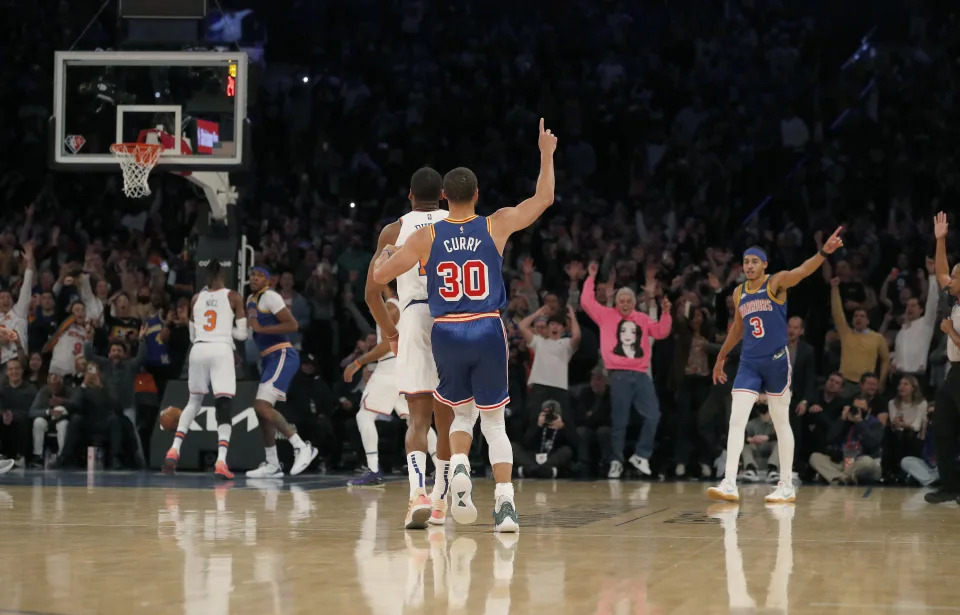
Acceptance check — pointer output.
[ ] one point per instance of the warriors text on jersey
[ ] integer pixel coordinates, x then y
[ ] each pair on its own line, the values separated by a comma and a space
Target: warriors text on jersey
764, 321
412, 285
213, 316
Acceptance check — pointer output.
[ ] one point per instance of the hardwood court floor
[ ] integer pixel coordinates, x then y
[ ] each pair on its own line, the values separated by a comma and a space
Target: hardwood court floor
144, 543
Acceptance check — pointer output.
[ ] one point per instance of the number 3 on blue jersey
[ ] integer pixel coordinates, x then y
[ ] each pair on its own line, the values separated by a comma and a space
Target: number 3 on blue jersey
471, 280
756, 326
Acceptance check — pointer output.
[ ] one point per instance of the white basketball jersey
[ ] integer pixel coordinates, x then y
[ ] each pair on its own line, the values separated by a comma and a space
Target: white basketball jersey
213, 317
412, 285
390, 354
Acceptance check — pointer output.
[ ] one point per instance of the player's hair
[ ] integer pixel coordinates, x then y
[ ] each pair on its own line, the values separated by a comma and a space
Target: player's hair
214, 271
459, 185
426, 185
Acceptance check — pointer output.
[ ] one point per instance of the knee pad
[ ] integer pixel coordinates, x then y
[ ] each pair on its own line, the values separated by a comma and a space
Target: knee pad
494, 429
464, 418
224, 410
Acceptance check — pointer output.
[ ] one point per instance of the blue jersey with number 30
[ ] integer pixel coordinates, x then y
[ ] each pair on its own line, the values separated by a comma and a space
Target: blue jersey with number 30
764, 321
465, 270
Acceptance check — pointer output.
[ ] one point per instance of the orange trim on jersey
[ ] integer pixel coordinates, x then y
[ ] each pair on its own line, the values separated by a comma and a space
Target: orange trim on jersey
489, 226
495, 406
223, 395
774, 297
452, 404
465, 317
746, 286
461, 221
276, 347
433, 233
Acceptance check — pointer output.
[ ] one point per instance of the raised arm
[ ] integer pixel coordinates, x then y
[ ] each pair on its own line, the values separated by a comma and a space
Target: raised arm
508, 220
734, 335
393, 261
575, 333
790, 278
373, 291
942, 268
659, 329
588, 298
22, 307
933, 296
524, 325
836, 308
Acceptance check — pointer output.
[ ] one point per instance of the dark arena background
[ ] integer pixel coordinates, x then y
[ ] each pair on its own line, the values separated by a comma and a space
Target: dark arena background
145, 140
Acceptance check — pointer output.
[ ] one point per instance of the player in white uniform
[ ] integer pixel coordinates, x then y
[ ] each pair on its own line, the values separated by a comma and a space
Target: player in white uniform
417, 372
213, 312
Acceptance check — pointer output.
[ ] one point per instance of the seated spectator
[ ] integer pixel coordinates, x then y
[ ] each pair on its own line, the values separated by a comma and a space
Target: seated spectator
869, 389
592, 407
860, 348
907, 412
94, 419
760, 450
36, 370
552, 352
815, 417
923, 469
853, 449
547, 447
49, 413
15, 399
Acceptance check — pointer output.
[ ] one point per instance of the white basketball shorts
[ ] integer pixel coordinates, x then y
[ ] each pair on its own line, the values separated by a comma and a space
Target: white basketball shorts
382, 393
211, 369
417, 373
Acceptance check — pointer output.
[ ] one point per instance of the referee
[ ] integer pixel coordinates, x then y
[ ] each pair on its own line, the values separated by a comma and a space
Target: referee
946, 416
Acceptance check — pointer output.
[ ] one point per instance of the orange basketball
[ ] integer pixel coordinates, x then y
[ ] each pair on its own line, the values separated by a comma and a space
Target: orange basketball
170, 418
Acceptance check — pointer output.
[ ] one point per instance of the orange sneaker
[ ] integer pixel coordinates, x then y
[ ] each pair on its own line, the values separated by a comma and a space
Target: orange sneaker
170, 461
438, 516
418, 513
222, 471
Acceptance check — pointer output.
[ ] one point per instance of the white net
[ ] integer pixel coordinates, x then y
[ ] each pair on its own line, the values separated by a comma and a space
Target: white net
136, 161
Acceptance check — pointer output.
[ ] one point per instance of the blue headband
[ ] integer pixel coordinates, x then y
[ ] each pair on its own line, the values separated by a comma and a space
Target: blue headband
262, 270
756, 252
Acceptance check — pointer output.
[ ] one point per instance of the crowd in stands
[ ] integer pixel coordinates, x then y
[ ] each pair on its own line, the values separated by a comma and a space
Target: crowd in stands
675, 121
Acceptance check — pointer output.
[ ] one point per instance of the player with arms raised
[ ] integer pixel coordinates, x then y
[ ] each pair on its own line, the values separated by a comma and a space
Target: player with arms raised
764, 363
463, 259
410, 341
216, 319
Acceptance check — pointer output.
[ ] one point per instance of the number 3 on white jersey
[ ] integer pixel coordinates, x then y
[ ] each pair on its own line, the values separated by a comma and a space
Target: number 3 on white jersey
470, 279
756, 325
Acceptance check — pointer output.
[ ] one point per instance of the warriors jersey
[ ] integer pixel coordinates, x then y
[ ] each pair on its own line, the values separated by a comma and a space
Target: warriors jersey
764, 321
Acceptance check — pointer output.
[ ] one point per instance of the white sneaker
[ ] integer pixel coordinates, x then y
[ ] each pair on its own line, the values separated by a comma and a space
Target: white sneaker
305, 455
642, 464
680, 471
505, 516
749, 475
616, 469
783, 494
705, 471
6, 465
726, 491
773, 476
266, 470
461, 500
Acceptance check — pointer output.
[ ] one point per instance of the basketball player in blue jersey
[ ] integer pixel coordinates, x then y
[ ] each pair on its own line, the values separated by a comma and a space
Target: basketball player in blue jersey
462, 256
272, 323
764, 363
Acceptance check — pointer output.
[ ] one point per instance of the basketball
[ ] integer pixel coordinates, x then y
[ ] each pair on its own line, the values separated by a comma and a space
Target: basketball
170, 418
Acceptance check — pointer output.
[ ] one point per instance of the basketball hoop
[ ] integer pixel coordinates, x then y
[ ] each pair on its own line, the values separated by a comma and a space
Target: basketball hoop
136, 161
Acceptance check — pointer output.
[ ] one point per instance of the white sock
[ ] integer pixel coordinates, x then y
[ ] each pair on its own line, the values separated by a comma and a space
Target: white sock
416, 463
432, 446
272, 457
367, 424
780, 414
223, 443
456, 460
296, 442
739, 415
186, 419
503, 490
440, 484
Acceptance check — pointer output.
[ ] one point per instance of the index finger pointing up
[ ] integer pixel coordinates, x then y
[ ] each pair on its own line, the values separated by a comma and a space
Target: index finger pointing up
541, 124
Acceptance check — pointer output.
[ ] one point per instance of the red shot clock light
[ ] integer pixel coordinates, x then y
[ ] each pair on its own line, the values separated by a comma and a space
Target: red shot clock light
232, 81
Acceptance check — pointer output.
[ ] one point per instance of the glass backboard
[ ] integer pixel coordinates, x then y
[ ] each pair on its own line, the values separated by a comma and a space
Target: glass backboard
192, 102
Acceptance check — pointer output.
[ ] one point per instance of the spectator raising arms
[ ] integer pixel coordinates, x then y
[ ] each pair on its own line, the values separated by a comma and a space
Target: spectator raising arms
548, 375
860, 348
15, 316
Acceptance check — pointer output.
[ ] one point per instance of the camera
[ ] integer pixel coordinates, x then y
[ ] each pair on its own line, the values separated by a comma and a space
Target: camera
551, 411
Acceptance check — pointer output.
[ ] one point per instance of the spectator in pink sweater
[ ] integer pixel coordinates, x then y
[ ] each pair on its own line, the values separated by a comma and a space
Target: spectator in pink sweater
625, 347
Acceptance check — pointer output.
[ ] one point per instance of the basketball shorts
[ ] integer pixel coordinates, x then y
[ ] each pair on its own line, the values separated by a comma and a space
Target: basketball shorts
277, 369
471, 353
382, 393
767, 375
211, 370
417, 374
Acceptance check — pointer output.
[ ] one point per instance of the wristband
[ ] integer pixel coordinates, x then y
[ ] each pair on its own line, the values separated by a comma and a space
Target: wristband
358, 364
394, 336
822, 253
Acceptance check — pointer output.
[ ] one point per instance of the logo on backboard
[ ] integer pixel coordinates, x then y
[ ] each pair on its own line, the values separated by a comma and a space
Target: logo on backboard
74, 143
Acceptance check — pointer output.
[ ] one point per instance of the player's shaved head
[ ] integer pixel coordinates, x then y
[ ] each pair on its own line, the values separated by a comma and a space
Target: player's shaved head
426, 185
459, 185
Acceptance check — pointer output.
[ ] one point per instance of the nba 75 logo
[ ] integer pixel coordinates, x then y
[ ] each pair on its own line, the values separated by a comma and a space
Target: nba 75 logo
74, 143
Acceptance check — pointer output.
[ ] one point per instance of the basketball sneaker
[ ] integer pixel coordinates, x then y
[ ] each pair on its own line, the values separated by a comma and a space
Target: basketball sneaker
369, 479
616, 469
438, 514
461, 490
221, 471
642, 464
266, 470
6, 465
418, 512
726, 491
773, 476
749, 476
783, 494
505, 515
170, 461
305, 454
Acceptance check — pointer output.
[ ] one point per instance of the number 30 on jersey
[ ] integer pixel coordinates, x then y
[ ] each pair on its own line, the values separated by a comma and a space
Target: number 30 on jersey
470, 279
